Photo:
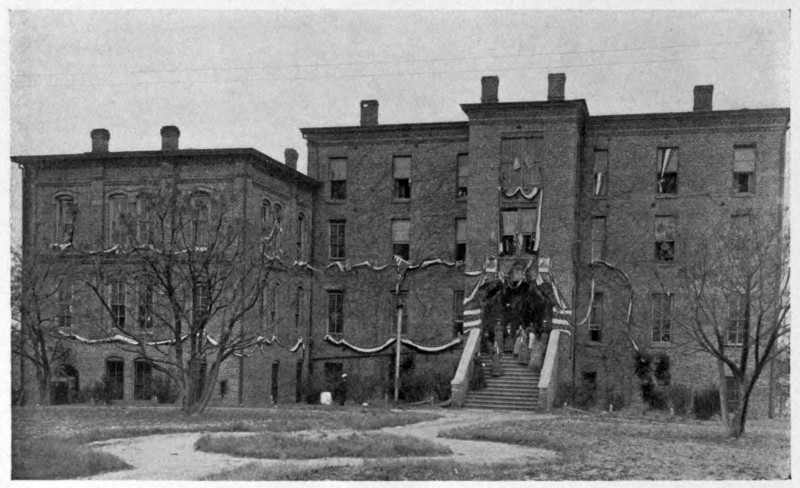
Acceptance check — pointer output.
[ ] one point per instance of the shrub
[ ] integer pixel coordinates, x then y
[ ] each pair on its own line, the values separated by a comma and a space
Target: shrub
364, 387
659, 366
681, 396
706, 403
613, 396
164, 389
425, 380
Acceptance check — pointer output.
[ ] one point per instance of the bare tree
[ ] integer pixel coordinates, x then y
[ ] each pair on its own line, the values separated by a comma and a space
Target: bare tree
182, 287
732, 303
40, 303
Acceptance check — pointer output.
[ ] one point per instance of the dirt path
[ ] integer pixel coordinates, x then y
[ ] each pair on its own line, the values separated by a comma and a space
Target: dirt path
173, 457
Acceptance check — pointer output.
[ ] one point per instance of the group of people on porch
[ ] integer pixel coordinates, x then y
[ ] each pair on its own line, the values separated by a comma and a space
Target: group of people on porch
523, 345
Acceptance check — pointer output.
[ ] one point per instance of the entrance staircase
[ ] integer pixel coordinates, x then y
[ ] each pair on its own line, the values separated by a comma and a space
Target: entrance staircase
516, 389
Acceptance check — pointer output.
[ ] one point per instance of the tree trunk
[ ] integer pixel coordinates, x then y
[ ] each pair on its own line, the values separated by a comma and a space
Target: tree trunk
44, 383
723, 394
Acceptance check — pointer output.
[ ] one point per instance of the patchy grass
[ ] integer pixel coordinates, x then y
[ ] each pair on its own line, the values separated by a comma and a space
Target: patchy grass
360, 445
64, 431
381, 470
54, 458
608, 448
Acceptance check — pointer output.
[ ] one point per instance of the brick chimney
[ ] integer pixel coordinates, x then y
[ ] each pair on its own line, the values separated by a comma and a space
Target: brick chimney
555, 86
703, 95
290, 158
169, 138
489, 85
100, 138
369, 113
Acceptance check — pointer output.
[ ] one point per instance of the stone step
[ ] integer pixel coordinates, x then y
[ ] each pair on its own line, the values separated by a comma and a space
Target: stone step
506, 404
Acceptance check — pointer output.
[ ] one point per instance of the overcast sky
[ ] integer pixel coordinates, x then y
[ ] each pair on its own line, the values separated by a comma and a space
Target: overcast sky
251, 79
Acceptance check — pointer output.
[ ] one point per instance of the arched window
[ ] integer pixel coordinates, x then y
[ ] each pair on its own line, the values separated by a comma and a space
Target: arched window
145, 218
142, 379
201, 216
266, 216
277, 215
117, 224
115, 375
66, 210
298, 303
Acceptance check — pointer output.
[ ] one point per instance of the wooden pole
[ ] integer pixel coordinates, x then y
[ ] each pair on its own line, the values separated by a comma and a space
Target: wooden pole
397, 353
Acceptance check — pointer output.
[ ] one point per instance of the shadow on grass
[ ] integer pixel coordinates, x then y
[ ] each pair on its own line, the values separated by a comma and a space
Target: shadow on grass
361, 445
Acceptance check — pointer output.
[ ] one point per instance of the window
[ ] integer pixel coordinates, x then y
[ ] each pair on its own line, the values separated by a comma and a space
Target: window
200, 219
662, 317
266, 217
277, 216
338, 178
400, 300
115, 372
117, 209
270, 305
64, 317
458, 312
521, 162
337, 239
401, 229
402, 177
298, 301
333, 371
744, 166
667, 171
117, 301
732, 393
66, 210
335, 312
665, 238
145, 214
738, 320
463, 175
518, 232
142, 380
301, 237
461, 239
598, 238
600, 172
200, 301
596, 319
145, 305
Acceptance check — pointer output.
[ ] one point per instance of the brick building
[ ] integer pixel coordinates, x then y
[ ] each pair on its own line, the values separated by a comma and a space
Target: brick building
74, 208
515, 182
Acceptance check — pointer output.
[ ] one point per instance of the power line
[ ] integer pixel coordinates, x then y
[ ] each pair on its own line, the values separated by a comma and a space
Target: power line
397, 73
396, 61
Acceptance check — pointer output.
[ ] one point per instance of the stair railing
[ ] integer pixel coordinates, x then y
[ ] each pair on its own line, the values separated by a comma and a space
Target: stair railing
459, 386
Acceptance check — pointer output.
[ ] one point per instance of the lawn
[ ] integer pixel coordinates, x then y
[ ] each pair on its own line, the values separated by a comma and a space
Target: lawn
598, 447
590, 447
270, 445
42, 434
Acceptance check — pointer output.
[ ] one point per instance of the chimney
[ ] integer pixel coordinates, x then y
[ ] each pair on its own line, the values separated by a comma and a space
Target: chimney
703, 95
489, 85
290, 158
169, 138
369, 113
555, 86
100, 139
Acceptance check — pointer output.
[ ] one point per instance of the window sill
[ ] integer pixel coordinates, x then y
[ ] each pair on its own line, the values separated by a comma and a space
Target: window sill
661, 345
335, 202
600, 197
401, 200
665, 264
462, 198
743, 195
592, 343
666, 196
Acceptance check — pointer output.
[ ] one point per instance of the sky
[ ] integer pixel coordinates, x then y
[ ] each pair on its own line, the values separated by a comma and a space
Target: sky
253, 78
